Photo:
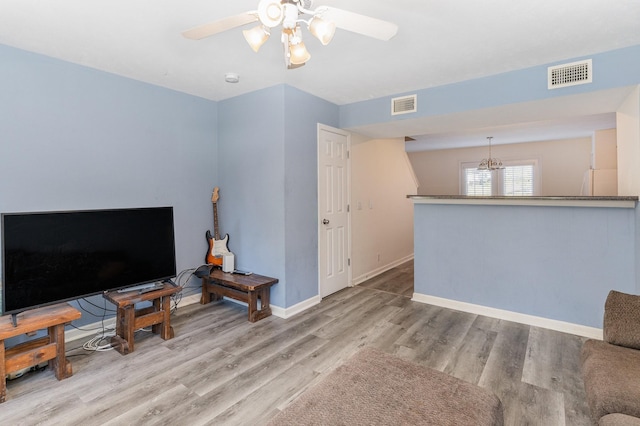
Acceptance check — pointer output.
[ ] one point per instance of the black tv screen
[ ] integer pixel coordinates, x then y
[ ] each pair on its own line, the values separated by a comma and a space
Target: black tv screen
50, 257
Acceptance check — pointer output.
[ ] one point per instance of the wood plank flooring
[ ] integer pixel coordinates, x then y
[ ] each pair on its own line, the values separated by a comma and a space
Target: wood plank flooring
398, 280
222, 370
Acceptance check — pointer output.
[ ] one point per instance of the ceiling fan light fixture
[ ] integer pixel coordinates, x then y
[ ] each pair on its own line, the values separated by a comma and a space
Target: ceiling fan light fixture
290, 18
289, 15
322, 30
299, 53
256, 37
270, 12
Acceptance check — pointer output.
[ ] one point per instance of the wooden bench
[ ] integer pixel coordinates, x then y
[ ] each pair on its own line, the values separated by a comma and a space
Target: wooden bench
33, 352
129, 319
245, 288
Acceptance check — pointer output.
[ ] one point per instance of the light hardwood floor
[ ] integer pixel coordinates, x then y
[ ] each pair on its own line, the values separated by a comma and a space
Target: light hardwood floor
220, 369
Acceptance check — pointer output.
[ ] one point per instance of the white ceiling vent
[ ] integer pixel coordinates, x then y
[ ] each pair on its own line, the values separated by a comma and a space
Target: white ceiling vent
404, 105
570, 74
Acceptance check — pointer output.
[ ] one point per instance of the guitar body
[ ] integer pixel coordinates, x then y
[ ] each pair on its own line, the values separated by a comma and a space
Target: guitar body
217, 246
211, 258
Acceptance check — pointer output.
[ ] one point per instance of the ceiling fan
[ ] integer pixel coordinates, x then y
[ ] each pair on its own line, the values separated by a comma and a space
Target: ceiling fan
290, 14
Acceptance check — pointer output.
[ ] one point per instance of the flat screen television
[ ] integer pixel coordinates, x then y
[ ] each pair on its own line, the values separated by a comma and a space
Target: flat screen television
51, 257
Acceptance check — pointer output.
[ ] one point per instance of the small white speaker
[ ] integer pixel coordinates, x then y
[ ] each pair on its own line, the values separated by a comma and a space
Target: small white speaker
228, 262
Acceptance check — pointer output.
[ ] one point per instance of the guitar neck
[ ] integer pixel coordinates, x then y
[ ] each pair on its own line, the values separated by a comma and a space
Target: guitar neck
216, 231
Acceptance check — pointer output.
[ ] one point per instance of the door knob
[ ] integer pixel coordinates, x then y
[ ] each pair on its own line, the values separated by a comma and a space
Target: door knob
325, 221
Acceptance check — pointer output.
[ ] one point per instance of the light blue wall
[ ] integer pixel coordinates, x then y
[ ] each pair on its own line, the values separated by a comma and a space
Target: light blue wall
303, 112
76, 138
617, 68
551, 262
251, 171
268, 185
573, 292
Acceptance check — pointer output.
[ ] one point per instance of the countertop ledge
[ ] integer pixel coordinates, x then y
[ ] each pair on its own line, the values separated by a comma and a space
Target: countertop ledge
558, 201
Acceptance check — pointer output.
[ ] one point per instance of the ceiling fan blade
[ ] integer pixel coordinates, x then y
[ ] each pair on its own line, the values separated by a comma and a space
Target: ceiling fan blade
361, 24
221, 25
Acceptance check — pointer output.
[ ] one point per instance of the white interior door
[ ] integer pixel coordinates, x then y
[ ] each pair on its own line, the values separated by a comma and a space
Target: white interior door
333, 209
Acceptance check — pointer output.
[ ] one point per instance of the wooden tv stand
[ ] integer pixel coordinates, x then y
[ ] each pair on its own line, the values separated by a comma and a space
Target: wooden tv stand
129, 319
33, 352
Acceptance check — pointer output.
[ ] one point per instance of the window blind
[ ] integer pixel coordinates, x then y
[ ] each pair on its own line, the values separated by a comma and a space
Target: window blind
477, 182
517, 180
514, 180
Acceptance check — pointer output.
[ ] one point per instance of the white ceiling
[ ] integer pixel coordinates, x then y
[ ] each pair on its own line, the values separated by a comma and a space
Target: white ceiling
438, 42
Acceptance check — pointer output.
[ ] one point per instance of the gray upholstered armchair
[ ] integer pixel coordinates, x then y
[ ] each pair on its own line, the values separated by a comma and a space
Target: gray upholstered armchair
611, 368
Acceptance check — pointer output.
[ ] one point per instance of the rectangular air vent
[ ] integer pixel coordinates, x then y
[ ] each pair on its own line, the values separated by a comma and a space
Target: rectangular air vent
570, 74
404, 105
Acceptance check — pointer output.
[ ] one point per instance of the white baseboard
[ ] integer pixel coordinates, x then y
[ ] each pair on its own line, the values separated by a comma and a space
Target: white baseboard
285, 312
275, 310
364, 277
564, 327
191, 299
295, 309
90, 330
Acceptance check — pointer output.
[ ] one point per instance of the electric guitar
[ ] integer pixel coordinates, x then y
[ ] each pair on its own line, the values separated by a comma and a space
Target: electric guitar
217, 246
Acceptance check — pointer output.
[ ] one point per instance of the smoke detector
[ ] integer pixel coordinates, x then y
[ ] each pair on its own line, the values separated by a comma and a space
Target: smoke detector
231, 77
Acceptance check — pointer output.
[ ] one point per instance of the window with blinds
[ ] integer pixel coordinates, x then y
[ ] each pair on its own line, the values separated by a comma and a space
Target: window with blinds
518, 178
477, 182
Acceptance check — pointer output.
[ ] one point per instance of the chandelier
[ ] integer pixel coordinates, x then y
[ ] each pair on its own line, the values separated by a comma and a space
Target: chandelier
272, 13
490, 163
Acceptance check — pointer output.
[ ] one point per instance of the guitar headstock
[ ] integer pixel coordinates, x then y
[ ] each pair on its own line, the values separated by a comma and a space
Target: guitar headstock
215, 196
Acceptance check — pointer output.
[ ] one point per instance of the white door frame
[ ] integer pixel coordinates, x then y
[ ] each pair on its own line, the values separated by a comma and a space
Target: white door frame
321, 255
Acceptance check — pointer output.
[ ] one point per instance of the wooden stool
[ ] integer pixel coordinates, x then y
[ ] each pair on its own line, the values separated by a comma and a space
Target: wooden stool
33, 352
246, 288
129, 319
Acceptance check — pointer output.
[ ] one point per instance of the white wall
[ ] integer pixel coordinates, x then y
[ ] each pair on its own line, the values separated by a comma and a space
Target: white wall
605, 149
382, 216
562, 164
628, 125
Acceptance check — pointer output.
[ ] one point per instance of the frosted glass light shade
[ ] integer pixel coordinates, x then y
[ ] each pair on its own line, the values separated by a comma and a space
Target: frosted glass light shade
256, 37
322, 30
299, 53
